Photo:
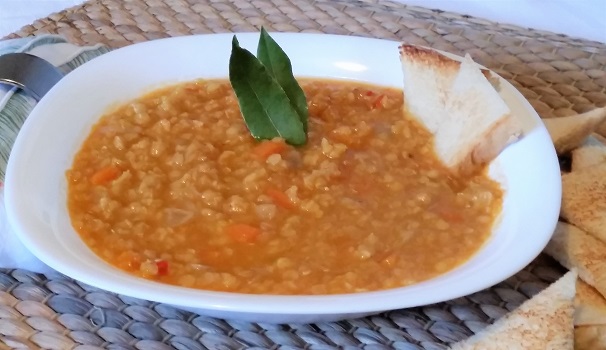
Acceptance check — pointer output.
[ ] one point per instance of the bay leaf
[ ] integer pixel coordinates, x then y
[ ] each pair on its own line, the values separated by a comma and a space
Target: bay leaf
278, 64
265, 107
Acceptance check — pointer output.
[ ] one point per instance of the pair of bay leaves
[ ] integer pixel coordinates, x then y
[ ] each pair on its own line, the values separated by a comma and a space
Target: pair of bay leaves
271, 100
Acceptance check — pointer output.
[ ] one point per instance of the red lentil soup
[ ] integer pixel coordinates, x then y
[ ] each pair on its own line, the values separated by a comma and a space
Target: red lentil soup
172, 187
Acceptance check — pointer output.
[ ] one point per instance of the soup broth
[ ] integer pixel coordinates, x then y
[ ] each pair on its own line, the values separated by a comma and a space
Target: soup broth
172, 187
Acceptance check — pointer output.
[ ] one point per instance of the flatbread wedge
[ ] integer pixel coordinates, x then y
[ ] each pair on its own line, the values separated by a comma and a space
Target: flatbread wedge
589, 306
591, 152
455, 101
590, 338
575, 248
584, 199
568, 133
543, 322
601, 129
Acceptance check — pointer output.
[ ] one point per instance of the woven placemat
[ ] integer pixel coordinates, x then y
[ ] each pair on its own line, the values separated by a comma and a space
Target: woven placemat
559, 75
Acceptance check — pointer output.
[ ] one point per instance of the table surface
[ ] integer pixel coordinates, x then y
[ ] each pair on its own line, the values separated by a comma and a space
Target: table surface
559, 76
576, 18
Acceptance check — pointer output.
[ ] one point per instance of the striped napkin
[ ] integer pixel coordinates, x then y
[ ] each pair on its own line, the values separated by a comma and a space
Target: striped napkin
15, 106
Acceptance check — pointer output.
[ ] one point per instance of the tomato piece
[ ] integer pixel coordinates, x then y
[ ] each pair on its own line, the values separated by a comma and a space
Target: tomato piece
162, 267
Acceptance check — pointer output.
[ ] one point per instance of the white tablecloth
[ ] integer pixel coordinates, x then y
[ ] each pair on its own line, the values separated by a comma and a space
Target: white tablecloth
576, 18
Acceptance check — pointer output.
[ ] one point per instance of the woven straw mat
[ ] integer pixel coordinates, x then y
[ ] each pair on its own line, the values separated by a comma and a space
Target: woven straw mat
557, 74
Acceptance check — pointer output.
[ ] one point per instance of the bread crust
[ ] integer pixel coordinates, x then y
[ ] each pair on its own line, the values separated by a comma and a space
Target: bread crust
429, 57
584, 200
589, 306
590, 337
591, 152
568, 133
503, 133
577, 249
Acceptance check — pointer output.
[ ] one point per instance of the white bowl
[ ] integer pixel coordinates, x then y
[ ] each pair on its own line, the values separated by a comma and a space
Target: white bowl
36, 185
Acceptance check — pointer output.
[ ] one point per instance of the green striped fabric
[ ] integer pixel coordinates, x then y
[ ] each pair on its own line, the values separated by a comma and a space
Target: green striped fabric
12, 117
28, 44
15, 105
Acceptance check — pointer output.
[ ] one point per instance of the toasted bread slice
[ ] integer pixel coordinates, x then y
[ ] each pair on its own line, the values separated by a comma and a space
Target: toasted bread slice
455, 101
591, 152
568, 133
590, 338
575, 248
584, 199
543, 322
589, 306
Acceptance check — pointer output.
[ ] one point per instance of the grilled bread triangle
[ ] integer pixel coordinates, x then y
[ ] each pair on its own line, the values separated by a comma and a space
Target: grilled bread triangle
542, 322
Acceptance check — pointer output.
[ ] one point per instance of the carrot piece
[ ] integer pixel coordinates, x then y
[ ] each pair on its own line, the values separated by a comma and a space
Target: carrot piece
267, 148
210, 257
129, 260
451, 216
105, 175
243, 233
162, 267
280, 198
445, 211
378, 102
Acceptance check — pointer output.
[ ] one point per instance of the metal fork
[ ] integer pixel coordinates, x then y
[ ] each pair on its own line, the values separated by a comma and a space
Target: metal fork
33, 74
